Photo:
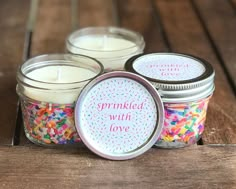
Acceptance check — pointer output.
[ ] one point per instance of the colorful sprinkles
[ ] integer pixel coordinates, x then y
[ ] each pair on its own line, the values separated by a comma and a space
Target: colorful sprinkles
47, 123
183, 124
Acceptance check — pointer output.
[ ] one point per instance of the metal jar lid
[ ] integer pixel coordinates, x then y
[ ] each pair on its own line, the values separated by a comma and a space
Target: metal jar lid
177, 77
119, 115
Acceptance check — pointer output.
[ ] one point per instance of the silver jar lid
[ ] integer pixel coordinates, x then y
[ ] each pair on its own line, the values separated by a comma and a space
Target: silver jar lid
119, 115
177, 77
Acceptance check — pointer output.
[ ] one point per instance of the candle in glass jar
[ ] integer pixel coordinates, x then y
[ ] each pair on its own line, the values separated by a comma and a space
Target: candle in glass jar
57, 75
186, 84
111, 46
48, 87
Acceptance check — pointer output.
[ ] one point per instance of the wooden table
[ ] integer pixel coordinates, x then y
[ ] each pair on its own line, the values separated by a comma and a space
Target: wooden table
205, 28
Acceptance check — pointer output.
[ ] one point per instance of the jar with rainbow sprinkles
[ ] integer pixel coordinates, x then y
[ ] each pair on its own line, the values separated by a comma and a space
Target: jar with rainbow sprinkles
186, 84
48, 86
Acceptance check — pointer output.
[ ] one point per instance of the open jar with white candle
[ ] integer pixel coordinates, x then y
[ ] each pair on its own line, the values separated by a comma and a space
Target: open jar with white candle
112, 46
48, 86
185, 84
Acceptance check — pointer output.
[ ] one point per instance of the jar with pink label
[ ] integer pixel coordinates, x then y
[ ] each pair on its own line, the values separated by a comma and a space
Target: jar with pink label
185, 84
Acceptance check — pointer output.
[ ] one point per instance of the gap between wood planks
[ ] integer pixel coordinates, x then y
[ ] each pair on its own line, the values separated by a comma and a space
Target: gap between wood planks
26, 54
13, 18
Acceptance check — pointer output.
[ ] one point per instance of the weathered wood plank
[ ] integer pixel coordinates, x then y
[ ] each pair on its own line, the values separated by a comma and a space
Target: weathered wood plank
221, 24
95, 13
186, 35
194, 167
138, 16
52, 27
13, 18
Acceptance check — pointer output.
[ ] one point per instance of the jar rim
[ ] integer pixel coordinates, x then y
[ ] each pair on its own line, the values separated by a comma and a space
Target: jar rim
54, 59
209, 71
180, 90
125, 79
120, 32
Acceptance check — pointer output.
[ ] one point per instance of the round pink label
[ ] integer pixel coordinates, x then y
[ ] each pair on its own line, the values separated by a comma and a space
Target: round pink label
117, 115
168, 67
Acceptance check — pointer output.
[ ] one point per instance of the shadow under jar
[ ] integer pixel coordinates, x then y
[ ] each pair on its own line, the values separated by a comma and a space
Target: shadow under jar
48, 87
185, 84
112, 46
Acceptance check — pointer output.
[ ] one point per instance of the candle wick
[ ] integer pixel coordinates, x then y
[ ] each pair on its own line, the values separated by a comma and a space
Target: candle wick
104, 42
50, 106
59, 74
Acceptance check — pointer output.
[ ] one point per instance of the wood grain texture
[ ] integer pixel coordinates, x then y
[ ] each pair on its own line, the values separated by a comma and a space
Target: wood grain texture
194, 167
13, 18
221, 24
186, 35
138, 16
95, 13
52, 27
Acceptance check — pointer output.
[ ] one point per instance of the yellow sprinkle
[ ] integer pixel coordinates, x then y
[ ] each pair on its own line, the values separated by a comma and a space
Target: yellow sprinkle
182, 131
168, 138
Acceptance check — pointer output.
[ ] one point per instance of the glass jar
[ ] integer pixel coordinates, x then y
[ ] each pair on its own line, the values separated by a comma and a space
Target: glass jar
48, 87
185, 84
112, 46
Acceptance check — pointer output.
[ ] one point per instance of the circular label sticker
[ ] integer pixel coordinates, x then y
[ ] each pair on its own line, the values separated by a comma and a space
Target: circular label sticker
117, 116
168, 68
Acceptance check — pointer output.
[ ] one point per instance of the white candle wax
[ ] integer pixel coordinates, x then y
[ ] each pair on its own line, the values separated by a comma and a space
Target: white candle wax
111, 46
111, 52
57, 76
104, 43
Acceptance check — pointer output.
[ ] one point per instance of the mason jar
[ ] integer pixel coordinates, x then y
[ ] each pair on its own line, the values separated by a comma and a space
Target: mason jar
185, 84
48, 87
112, 46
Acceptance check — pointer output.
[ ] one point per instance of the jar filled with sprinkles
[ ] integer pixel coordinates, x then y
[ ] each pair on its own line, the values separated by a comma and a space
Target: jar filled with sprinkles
48, 87
185, 84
